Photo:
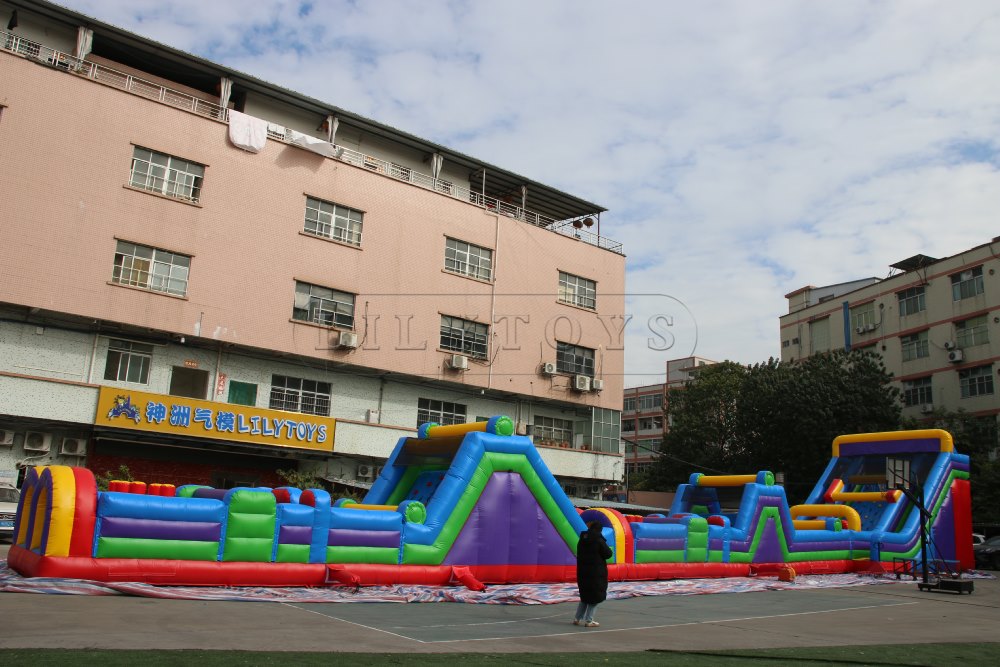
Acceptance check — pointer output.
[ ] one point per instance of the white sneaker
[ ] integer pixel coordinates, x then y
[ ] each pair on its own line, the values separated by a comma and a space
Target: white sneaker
592, 624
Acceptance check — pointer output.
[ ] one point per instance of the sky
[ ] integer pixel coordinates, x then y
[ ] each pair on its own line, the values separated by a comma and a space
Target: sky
743, 149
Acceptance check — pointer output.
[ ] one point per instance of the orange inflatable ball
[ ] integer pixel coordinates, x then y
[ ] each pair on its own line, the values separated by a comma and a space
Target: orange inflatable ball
786, 573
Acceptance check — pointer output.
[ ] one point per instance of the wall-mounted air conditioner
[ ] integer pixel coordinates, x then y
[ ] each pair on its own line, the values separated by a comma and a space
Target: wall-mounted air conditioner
6, 438
372, 416
597, 384
347, 339
548, 368
458, 362
949, 345
859, 330
955, 356
596, 488
364, 471
871, 327
581, 383
926, 409
73, 447
36, 441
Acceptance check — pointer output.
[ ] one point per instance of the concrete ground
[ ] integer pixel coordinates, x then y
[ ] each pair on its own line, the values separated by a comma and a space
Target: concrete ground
892, 613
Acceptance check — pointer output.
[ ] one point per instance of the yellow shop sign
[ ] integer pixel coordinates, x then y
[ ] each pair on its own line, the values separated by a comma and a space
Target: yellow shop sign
176, 415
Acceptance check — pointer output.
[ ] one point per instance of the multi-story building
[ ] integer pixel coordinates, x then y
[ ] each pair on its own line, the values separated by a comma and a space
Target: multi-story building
935, 322
207, 277
644, 413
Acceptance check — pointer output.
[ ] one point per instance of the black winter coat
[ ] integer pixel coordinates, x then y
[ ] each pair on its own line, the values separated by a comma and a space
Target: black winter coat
592, 553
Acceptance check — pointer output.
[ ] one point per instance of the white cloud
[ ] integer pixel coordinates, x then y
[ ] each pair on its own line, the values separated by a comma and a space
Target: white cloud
743, 149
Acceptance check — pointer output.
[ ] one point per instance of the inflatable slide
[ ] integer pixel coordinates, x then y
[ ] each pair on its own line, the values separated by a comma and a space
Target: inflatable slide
472, 504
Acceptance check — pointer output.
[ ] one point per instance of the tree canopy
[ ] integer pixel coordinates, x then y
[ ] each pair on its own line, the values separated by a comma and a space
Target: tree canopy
778, 416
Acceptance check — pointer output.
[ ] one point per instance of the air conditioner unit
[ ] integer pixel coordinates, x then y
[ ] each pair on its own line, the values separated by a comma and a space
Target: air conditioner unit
596, 488
6, 438
364, 471
597, 384
871, 327
458, 362
926, 409
34, 441
859, 330
955, 356
949, 345
372, 416
73, 447
581, 383
347, 339
548, 368
378, 471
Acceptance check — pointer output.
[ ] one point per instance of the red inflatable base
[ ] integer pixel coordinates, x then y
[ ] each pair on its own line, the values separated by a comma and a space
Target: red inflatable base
211, 573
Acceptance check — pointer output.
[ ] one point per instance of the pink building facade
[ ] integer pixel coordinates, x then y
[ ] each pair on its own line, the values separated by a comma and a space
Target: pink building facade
204, 239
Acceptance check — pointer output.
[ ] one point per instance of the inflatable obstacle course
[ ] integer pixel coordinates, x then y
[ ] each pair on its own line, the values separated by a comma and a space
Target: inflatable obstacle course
474, 503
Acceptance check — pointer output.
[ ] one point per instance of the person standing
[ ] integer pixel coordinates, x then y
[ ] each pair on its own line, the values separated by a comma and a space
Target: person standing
592, 554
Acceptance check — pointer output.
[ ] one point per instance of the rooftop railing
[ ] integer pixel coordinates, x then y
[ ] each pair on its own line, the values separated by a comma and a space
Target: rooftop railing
159, 93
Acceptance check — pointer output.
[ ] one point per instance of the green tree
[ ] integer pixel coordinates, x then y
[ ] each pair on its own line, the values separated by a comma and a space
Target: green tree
779, 416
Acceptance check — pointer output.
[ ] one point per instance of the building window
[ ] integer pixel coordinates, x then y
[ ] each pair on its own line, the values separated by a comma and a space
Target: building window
650, 402
333, 221
976, 381
553, 432
430, 411
918, 392
151, 268
242, 393
628, 426
967, 284
914, 346
298, 395
911, 301
468, 260
651, 423
577, 291
972, 331
464, 336
819, 335
574, 359
323, 305
863, 317
628, 405
606, 433
128, 361
166, 175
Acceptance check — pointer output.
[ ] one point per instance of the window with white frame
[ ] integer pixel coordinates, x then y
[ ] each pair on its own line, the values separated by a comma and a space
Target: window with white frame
323, 305
606, 435
468, 259
650, 402
553, 431
165, 174
300, 395
914, 346
333, 221
151, 268
911, 301
628, 405
967, 284
863, 317
976, 381
464, 336
918, 392
651, 423
577, 291
972, 331
444, 413
128, 361
574, 359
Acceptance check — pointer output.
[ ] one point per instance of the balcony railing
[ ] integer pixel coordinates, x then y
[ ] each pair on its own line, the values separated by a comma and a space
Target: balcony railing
154, 91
